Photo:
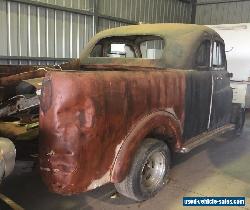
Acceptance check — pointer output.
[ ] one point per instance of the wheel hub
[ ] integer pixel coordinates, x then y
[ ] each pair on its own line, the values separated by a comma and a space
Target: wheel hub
153, 171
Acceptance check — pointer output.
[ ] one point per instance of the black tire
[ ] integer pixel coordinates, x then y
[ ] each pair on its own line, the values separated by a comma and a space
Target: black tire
240, 121
148, 159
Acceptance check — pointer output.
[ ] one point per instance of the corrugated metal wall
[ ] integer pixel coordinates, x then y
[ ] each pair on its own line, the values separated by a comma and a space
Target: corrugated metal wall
75, 4
43, 34
32, 31
222, 13
147, 11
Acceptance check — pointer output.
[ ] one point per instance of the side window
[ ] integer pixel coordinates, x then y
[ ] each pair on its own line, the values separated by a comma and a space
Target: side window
203, 54
218, 60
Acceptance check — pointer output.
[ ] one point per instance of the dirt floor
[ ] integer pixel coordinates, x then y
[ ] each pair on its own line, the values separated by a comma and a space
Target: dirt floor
221, 167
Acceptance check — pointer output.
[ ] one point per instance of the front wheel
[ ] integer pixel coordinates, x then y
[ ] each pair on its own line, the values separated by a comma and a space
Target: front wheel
148, 172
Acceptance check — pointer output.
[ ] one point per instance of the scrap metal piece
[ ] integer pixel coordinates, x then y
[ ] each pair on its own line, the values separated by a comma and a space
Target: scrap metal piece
32, 125
18, 104
17, 131
14, 79
10, 202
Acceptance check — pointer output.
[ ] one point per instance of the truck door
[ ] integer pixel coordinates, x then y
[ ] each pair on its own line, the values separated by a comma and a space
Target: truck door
222, 92
198, 92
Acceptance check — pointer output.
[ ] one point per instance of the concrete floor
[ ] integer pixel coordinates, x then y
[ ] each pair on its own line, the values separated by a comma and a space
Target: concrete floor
218, 168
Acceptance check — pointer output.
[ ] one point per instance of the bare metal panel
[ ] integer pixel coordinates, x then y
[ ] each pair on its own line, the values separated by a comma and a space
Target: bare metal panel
222, 13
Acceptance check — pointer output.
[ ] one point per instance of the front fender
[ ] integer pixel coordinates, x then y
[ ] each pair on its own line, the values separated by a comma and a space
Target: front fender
124, 156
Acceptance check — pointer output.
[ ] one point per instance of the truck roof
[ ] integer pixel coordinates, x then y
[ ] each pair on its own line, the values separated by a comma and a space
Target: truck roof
168, 30
180, 40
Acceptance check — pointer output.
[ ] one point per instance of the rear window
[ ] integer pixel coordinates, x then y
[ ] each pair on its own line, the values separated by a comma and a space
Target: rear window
147, 47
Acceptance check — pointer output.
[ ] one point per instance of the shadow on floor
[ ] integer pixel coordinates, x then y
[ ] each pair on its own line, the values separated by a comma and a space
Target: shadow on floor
28, 190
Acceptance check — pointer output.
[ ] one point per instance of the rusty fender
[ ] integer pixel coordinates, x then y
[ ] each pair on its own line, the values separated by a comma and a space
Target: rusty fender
162, 122
91, 123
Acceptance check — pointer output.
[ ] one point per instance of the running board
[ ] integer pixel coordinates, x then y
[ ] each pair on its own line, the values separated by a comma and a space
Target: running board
204, 137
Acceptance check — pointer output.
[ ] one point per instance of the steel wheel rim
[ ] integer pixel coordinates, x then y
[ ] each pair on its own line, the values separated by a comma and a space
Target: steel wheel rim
153, 171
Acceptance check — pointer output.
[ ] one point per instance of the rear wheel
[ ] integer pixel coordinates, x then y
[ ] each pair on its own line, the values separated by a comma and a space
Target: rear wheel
148, 172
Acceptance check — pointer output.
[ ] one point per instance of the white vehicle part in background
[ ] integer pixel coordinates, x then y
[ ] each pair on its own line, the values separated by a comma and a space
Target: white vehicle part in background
239, 92
7, 157
237, 43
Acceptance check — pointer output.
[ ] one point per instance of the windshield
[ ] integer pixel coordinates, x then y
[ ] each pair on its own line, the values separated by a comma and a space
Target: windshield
147, 47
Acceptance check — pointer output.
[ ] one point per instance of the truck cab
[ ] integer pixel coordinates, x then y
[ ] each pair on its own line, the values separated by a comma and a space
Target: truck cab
141, 93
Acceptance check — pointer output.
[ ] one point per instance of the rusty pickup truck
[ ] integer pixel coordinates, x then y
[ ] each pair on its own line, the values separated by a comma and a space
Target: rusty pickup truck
141, 93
